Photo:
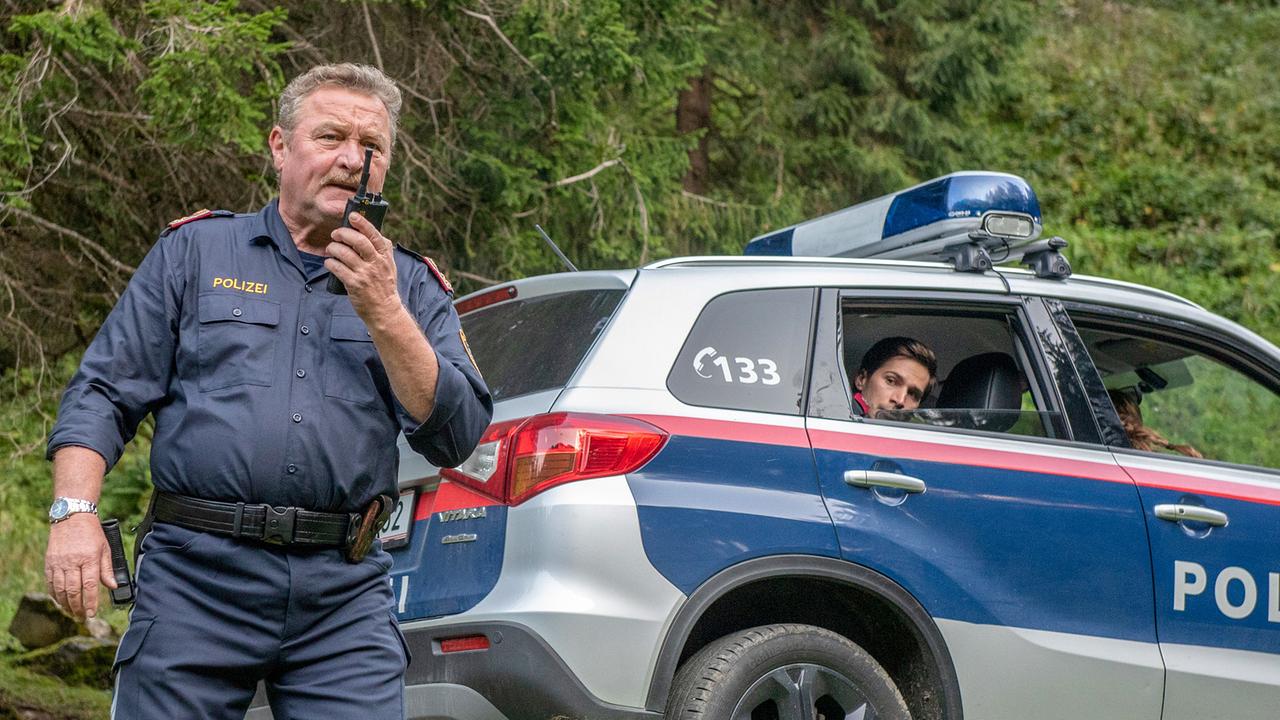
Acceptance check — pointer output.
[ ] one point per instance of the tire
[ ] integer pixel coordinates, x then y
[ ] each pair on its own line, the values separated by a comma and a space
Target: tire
784, 672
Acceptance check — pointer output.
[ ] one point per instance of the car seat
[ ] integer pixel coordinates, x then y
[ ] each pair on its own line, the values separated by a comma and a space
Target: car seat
990, 381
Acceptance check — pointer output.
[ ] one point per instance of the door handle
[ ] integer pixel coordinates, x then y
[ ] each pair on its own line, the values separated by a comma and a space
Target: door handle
1178, 513
879, 478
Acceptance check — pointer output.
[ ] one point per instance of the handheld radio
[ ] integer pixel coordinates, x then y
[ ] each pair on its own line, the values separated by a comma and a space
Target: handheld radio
370, 205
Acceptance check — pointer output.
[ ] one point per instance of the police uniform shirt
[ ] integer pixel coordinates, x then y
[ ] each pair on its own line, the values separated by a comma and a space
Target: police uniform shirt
265, 387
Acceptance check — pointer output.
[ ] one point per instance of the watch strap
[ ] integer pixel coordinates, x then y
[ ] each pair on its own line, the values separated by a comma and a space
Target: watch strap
74, 505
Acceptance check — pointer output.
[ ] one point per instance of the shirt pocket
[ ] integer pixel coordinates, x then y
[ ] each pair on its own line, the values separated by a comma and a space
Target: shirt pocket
353, 371
236, 341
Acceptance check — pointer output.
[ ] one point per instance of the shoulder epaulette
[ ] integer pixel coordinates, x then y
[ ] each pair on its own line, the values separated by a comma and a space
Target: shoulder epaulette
444, 281
198, 215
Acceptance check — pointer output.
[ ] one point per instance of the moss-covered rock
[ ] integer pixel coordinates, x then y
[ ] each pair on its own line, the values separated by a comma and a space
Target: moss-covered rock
75, 661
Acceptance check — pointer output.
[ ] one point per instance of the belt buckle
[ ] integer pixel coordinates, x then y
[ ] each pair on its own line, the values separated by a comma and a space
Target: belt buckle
277, 526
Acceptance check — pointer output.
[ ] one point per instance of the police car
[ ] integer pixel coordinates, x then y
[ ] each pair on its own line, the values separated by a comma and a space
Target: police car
679, 512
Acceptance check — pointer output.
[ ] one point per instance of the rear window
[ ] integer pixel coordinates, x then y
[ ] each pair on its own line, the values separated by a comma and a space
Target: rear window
525, 346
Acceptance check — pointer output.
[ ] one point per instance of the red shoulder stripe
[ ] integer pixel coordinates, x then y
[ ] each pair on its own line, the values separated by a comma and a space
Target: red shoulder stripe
197, 215
444, 281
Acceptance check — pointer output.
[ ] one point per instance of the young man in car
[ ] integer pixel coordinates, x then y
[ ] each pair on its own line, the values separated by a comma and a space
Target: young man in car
897, 373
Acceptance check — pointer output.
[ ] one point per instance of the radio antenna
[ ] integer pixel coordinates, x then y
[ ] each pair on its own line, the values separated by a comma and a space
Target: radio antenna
555, 248
364, 172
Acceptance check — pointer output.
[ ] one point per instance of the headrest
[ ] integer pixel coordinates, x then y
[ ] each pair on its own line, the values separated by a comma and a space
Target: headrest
990, 381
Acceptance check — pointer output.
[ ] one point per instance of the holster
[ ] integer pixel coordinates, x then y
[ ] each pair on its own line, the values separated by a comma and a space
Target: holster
364, 527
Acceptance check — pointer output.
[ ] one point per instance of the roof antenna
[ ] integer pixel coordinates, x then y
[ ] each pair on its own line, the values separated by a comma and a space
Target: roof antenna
555, 248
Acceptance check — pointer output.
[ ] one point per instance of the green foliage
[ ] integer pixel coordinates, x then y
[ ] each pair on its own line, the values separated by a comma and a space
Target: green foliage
28, 403
1128, 117
1207, 415
114, 119
213, 74
88, 36
818, 106
16, 144
1150, 134
1143, 133
589, 84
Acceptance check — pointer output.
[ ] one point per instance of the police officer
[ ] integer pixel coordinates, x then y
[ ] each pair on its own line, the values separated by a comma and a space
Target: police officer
277, 407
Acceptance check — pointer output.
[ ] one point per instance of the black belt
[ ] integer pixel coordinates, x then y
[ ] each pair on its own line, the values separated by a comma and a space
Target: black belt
275, 525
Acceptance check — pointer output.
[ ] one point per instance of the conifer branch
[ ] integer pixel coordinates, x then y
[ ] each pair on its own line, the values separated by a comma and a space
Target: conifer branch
488, 20
583, 176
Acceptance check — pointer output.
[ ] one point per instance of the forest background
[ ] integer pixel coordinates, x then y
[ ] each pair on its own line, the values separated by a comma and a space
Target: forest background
632, 130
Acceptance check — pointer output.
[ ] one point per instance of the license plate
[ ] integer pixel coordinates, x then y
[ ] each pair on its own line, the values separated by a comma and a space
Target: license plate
396, 531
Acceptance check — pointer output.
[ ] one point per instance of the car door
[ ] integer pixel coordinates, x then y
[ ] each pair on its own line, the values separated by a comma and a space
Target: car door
1200, 407
1012, 526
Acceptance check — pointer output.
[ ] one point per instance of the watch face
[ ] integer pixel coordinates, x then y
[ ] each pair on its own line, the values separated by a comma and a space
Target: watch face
59, 509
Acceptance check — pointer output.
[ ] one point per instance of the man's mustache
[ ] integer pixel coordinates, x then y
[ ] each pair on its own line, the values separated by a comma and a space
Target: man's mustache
351, 181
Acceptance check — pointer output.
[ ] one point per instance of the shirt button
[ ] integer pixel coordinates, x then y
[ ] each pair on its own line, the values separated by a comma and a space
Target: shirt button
305, 330
292, 468
297, 417
302, 373
308, 288
237, 312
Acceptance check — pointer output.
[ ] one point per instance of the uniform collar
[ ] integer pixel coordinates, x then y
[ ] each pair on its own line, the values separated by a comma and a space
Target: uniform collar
269, 227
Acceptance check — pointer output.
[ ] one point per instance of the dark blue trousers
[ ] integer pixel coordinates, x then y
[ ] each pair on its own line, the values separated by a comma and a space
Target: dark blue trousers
216, 615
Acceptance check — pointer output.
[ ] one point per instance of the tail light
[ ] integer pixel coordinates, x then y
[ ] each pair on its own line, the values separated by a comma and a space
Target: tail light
516, 460
485, 299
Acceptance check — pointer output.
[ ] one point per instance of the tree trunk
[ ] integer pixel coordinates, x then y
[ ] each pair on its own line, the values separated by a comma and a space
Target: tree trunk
693, 113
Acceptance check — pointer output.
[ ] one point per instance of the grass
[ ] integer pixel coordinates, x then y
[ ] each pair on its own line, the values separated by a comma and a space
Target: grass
32, 696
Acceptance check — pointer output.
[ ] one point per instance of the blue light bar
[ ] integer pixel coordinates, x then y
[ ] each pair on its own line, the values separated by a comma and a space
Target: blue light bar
918, 223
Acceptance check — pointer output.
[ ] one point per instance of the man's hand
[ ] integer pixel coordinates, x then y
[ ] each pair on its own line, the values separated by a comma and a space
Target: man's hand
364, 261
76, 560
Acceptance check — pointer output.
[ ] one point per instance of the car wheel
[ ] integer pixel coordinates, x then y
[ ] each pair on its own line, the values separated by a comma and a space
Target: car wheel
784, 672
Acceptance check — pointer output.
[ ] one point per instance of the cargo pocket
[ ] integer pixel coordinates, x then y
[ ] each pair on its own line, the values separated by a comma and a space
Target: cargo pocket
353, 371
131, 643
404, 645
236, 340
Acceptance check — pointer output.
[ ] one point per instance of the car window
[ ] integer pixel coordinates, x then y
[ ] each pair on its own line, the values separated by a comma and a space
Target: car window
1173, 398
533, 344
747, 351
982, 379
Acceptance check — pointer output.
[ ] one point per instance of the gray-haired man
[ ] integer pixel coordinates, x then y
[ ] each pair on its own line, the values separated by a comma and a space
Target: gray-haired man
277, 408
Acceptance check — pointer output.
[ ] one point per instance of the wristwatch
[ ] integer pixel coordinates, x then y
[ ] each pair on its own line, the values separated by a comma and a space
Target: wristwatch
64, 507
